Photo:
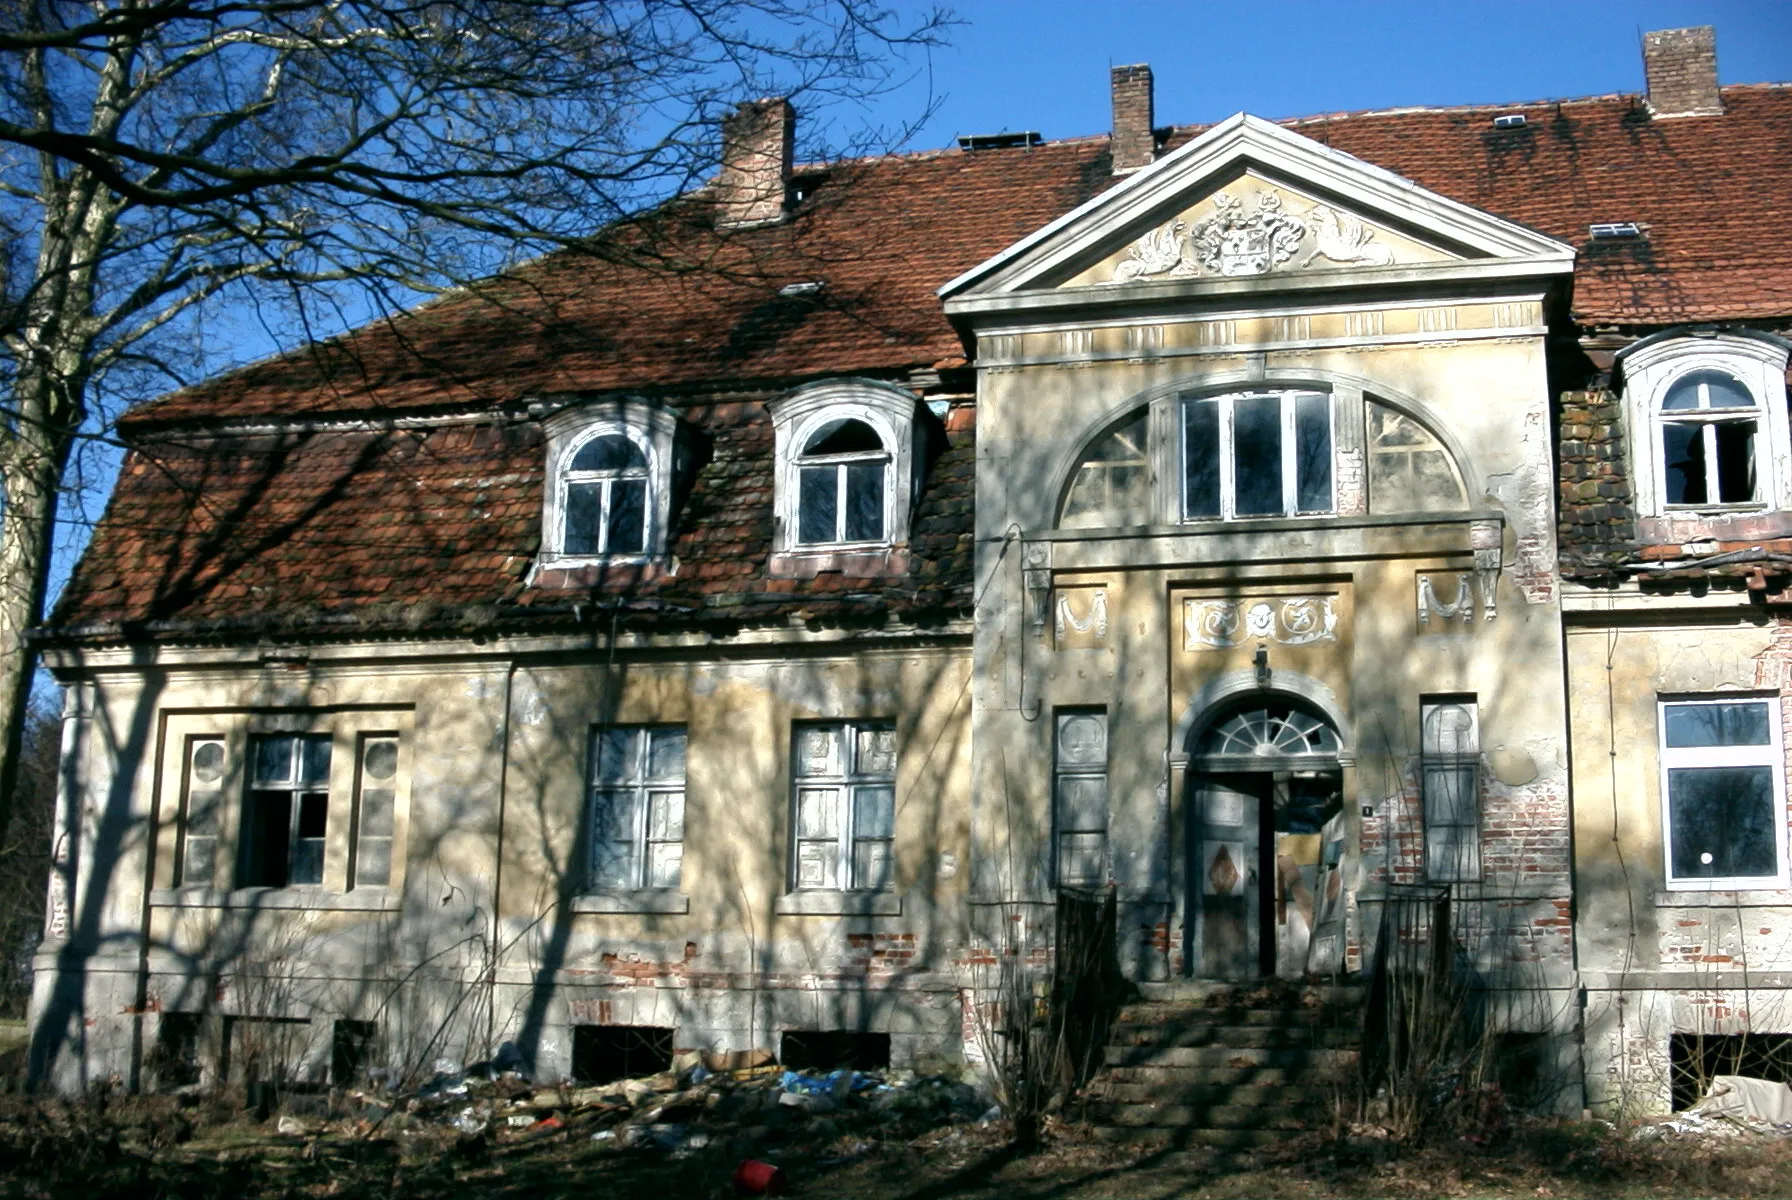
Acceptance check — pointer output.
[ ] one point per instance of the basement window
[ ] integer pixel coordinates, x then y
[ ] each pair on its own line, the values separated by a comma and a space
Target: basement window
1723, 793
176, 1060
834, 1050
352, 1045
606, 1053
289, 811
1695, 1059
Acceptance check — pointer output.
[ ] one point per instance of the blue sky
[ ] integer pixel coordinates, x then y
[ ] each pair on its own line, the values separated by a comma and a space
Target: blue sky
1043, 65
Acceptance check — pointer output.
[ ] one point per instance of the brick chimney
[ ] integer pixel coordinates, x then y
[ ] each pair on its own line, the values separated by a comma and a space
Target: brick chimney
1680, 67
1134, 142
758, 141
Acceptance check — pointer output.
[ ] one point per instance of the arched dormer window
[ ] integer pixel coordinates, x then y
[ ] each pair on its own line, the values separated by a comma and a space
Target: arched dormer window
1707, 414
848, 462
604, 490
611, 467
842, 484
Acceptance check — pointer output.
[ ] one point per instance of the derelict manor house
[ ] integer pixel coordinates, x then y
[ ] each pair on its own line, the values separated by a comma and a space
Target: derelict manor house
1259, 518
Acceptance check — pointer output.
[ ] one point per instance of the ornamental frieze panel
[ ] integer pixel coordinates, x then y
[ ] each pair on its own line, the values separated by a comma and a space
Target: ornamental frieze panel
1276, 620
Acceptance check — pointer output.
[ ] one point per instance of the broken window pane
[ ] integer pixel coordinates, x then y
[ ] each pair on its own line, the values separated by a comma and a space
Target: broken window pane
817, 864
1201, 458
877, 751
665, 861
818, 813
1082, 858
819, 750
1683, 452
871, 867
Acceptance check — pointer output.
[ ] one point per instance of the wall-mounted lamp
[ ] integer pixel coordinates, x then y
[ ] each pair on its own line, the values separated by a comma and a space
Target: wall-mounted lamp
1262, 661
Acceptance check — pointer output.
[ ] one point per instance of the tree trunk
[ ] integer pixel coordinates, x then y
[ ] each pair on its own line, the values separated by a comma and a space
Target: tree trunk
33, 474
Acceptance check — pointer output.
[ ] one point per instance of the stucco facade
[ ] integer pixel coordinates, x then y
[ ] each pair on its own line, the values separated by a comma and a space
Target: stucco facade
1270, 522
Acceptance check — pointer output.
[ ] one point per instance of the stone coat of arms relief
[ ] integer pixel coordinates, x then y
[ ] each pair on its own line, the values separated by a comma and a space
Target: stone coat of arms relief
1250, 240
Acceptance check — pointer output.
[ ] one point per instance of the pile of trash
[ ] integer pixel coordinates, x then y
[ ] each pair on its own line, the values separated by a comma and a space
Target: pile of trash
1733, 1106
700, 1101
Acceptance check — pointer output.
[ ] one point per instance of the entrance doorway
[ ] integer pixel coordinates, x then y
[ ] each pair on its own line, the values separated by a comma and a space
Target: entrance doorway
1264, 801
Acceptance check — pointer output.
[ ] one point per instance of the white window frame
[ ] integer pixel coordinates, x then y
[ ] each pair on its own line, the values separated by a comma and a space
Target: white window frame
1288, 398
846, 782
839, 464
365, 835
654, 430
1650, 370
607, 481
644, 786
1771, 755
891, 412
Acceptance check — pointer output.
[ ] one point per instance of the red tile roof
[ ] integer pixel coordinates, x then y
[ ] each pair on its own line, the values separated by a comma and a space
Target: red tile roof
370, 527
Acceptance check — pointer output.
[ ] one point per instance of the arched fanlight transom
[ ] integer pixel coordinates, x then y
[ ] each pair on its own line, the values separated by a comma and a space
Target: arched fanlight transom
1267, 729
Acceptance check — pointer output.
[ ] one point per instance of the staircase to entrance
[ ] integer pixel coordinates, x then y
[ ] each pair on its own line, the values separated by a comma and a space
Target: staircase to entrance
1229, 1064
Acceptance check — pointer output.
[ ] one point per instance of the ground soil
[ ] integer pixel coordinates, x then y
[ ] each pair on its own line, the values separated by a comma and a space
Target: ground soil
145, 1151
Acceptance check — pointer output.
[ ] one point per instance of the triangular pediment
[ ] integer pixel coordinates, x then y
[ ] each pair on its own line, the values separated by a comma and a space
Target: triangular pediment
1252, 203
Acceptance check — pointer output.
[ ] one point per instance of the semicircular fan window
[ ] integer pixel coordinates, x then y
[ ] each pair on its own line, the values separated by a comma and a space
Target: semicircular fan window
1272, 729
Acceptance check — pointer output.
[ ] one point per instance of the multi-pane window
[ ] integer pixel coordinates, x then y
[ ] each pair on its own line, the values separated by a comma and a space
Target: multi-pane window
1450, 757
1257, 454
1709, 423
1080, 797
604, 503
841, 480
202, 810
1112, 485
288, 811
845, 775
376, 800
1723, 792
637, 806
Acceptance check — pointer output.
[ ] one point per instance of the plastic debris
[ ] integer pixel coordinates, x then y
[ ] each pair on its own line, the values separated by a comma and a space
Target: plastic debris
755, 1178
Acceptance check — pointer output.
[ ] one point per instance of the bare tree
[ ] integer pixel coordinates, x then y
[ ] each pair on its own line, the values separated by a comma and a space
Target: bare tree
335, 156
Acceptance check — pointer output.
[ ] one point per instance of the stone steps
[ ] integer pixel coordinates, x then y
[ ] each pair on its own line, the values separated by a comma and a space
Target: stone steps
1225, 1064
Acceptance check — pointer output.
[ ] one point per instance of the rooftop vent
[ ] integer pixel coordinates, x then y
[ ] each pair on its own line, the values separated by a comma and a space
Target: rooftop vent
1615, 231
1509, 121
999, 141
808, 287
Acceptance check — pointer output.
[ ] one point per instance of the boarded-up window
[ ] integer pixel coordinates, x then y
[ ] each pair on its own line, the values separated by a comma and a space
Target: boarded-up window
1409, 469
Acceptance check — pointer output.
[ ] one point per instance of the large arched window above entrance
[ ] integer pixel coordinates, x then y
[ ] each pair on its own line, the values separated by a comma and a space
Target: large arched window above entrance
1268, 728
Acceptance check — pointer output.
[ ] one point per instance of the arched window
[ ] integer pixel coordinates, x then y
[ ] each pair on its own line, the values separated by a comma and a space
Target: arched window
842, 481
1112, 485
1409, 469
1257, 454
611, 465
605, 498
1710, 424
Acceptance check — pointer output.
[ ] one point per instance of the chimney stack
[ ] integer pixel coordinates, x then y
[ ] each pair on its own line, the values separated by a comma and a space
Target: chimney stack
1135, 143
1680, 68
758, 142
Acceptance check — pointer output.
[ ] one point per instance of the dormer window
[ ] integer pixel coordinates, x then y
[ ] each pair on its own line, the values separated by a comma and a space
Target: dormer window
848, 462
610, 473
605, 505
1708, 411
843, 480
